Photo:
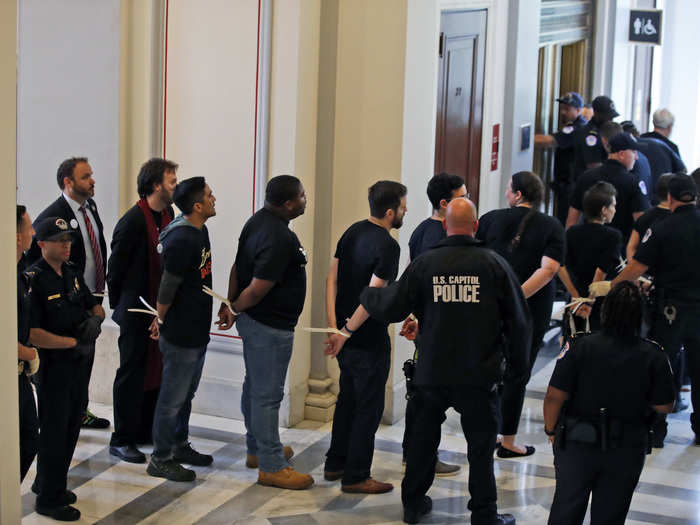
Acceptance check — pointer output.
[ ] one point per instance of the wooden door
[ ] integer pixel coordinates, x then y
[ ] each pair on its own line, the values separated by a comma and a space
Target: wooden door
460, 96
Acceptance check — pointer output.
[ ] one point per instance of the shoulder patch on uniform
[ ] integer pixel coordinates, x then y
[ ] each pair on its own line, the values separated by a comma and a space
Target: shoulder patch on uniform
647, 235
643, 187
591, 140
159, 248
568, 130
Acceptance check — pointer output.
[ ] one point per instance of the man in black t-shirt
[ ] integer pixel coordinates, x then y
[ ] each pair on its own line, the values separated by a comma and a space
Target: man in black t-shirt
267, 287
182, 327
631, 203
366, 255
442, 189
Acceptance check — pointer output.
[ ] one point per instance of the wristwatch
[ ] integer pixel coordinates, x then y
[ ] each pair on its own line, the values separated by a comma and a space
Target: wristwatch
548, 432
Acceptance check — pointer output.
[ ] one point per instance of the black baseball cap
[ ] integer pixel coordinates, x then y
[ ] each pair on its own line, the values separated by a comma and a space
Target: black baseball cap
604, 105
682, 188
572, 99
52, 229
621, 142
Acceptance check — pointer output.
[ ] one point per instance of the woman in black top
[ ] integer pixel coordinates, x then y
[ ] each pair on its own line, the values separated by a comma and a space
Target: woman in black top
533, 243
593, 252
610, 382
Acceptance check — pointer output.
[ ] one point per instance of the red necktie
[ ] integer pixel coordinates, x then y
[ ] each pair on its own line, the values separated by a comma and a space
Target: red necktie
96, 252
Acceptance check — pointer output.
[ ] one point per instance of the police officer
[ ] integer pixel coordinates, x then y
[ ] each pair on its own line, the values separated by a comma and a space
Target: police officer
611, 382
456, 284
588, 147
677, 288
27, 357
631, 202
65, 322
570, 106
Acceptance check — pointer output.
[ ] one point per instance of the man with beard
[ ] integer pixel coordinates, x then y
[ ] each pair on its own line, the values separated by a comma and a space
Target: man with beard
134, 271
366, 254
89, 249
182, 327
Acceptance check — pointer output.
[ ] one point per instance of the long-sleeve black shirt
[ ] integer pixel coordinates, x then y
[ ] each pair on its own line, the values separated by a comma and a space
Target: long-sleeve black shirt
472, 314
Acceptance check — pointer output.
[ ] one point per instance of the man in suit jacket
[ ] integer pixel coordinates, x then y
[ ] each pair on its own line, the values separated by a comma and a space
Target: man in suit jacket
89, 250
135, 271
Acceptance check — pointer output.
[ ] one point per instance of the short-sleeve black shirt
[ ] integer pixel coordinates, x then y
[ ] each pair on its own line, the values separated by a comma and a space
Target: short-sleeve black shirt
269, 250
629, 196
649, 218
187, 254
364, 249
590, 246
624, 376
543, 236
60, 303
671, 248
588, 148
426, 235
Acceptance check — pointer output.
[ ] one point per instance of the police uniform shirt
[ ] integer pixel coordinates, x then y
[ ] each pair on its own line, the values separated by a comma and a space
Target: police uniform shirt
186, 253
671, 247
661, 159
649, 218
629, 196
588, 148
664, 139
625, 376
564, 154
641, 171
426, 235
23, 307
269, 250
471, 314
60, 303
543, 236
590, 246
364, 249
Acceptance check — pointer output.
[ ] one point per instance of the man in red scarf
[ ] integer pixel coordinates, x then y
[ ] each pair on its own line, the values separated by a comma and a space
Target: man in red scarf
134, 270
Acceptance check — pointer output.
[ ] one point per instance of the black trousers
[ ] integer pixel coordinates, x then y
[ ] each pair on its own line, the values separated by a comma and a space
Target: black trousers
513, 393
410, 419
682, 333
133, 408
610, 477
478, 409
28, 426
562, 194
62, 396
358, 411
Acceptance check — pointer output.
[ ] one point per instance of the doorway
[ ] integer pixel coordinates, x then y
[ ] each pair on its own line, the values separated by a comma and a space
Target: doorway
460, 96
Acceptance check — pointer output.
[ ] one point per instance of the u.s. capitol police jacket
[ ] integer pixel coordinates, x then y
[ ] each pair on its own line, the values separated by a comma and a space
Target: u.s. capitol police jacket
472, 315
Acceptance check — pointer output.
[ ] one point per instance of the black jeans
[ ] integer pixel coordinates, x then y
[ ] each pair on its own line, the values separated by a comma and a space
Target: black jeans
62, 398
683, 332
611, 477
358, 411
28, 426
133, 408
478, 410
513, 393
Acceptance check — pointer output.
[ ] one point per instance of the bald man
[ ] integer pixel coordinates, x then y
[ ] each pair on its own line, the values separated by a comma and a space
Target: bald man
457, 285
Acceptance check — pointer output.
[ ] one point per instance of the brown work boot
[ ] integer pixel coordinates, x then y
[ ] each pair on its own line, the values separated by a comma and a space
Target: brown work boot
251, 461
368, 486
287, 478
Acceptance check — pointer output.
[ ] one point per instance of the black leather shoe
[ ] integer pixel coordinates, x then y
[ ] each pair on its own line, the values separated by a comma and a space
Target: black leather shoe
128, 453
62, 513
414, 515
68, 497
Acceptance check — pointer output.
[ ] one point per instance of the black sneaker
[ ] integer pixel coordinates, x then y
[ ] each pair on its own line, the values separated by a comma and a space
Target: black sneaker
187, 454
90, 420
62, 513
414, 515
169, 469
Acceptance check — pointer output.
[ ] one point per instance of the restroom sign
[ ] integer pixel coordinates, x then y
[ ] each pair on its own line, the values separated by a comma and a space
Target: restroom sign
645, 26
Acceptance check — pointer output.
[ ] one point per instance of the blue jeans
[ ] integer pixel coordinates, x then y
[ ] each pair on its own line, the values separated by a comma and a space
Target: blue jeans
182, 369
266, 352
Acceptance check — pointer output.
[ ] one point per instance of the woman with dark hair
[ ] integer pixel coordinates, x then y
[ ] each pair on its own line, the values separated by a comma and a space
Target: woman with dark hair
611, 382
593, 253
533, 243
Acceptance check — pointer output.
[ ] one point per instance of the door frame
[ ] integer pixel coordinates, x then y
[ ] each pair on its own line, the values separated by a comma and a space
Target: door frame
494, 85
